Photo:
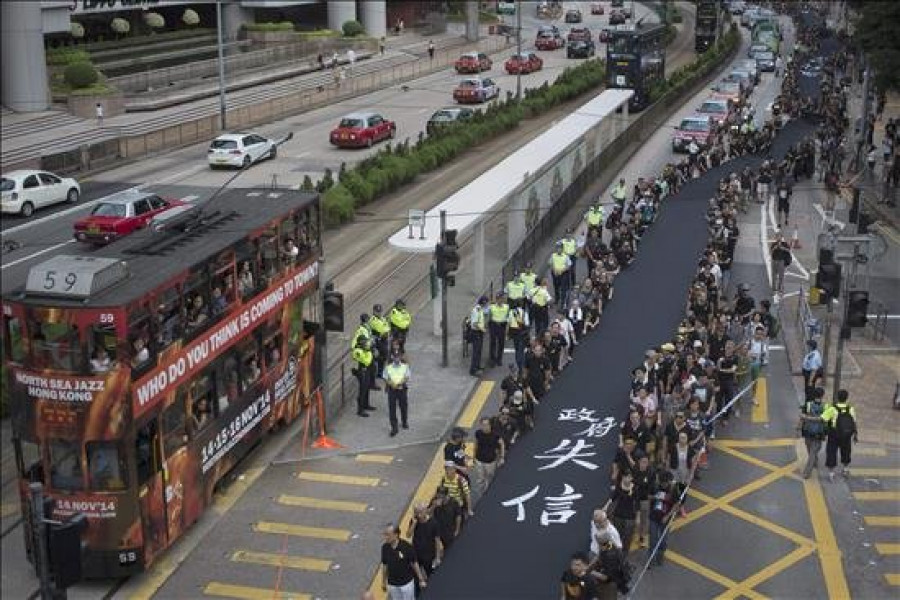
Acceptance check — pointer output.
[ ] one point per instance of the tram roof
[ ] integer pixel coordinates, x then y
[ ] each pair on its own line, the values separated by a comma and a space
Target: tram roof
156, 257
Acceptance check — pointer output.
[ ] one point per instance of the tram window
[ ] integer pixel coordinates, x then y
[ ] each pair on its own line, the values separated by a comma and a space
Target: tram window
103, 349
312, 227
146, 446
105, 466
250, 363
227, 382
174, 426
203, 395
15, 341
139, 340
30, 465
196, 293
272, 349
65, 465
268, 256
169, 318
56, 346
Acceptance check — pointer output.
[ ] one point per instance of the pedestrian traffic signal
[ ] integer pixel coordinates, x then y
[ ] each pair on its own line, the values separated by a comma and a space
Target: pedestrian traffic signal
828, 279
66, 550
446, 254
857, 308
334, 310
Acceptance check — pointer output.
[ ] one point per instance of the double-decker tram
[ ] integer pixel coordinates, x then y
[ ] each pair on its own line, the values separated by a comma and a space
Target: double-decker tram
636, 59
141, 372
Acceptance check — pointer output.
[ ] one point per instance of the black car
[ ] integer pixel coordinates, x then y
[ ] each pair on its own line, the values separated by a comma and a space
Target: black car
448, 116
573, 16
580, 49
617, 17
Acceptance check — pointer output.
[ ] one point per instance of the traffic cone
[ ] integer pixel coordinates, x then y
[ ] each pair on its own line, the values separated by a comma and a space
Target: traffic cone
323, 441
795, 239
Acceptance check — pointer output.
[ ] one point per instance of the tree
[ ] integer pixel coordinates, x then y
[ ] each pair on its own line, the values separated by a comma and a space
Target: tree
875, 29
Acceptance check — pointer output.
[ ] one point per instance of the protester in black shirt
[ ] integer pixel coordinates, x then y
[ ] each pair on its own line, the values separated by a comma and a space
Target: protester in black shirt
489, 454
426, 539
538, 370
448, 515
622, 508
610, 565
511, 383
727, 370
505, 426
401, 567
644, 482
624, 461
576, 582
455, 450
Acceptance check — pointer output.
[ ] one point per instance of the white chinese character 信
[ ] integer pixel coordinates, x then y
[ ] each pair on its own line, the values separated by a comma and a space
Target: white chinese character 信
558, 509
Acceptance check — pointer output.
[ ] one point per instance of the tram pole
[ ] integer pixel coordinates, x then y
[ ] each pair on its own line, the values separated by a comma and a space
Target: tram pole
519, 49
39, 540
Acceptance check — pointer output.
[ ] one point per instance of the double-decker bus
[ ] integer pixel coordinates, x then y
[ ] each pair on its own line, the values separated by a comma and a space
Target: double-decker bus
708, 26
636, 59
766, 31
141, 372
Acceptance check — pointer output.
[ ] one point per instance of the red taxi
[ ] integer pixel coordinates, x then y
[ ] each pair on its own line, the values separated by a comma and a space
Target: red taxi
473, 62
581, 34
362, 129
700, 129
524, 63
604, 35
475, 90
548, 40
596, 8
120, 214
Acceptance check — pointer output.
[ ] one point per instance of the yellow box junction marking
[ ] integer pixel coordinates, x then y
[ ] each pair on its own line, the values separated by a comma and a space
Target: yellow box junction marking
892, 578
876, 472
384, 459
888, 549
338, 479
760, 412
282, 560
7, 510
882, 521
322, 533
322, 503
890, 495
745, 588
869, 451
243, 592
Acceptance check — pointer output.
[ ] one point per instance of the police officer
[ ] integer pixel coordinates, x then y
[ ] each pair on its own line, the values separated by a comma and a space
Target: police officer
593, 218
362, 331
396, 376
515, 289
400, 320
540, 307
362, 356
518, 330
620, 193
381, 330
499, 313
570, 247
529, 278
560, 263
477, 326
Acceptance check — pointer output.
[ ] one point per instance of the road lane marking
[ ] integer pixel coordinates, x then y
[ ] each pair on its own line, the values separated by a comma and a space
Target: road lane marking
322, 503
383, 459
870, 451
876, 472
890, 495
696, 567
321, 533
888, 549
243, 592
767, 572
339, 479
828, 551
760, 412
271, 559
35, 254
892, 578
190, 198
754, 443
7, 510
882, 521
473, 409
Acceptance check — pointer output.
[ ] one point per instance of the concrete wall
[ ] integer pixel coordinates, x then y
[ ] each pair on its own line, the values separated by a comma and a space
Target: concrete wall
23, 64
374, 17
339, 12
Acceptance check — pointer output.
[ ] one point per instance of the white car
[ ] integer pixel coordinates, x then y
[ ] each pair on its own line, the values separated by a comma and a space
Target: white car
24, 191
240, 150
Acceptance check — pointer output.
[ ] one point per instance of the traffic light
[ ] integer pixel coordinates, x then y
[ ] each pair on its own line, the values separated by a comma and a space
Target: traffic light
446, 254
857, 308
65, 549
828, 279
334, 309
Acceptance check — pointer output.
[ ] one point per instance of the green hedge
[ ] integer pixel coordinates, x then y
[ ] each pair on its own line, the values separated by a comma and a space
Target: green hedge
80, 75
687, 75
318, 34
280, 26
60, 57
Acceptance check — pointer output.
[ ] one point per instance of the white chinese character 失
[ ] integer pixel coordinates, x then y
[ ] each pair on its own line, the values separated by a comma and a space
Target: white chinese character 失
565, 452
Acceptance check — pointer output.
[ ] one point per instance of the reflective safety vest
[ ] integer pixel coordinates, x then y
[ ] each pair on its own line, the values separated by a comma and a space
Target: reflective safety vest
476, 319
559, 262
620, 193
595, 216
400, 318
529, 279
515, 289
361, 332
569, 246
396, 374
540, 297
362, 356
499, 312
379, 325
518, 319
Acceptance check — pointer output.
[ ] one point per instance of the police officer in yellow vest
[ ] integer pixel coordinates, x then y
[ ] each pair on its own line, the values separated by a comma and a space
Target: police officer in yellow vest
478, 319
570, 247
362, 356
540, 307
381, 331
396, 377
529, 278
620, 193
499, 312
515, 289
400, 322
593, 218
518, 330
362, 331
560, 263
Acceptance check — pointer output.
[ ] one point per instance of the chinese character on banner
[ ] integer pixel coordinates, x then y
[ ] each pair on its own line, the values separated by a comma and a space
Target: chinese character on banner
579, 415
598, 430
565, 452
519, 503
558, 509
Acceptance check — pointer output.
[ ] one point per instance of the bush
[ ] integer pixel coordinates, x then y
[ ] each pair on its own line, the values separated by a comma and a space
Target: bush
154, 20
76, 30
352, 28
318, 34
360, 188
307, 185
120, 26
326, 182
81, 75
337, 205
190, 17
269, 26
66, 56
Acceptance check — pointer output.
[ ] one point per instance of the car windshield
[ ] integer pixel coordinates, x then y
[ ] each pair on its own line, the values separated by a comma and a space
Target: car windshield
7, 185
108, 209
443, 115
693, 125
224, 144
351, 123
468, 83
765, 56
712, 107
469, 57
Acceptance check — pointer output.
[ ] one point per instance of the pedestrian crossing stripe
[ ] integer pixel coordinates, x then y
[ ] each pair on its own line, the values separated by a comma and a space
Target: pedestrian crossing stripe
384, 459
272, 559
870, 451
243, 592
322, 503
882, 521
322, 533
339, 479
876, 472
891, 495
888, 549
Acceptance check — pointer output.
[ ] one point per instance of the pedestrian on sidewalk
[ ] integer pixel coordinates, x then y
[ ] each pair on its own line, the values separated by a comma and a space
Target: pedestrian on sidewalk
430, 50
781, 260
871, 158
489, 455
351, 59
476, 330
623, 507
812, 428
784, 194
400, 566
98, 108
425, 535
840, 422
499, 319
812, 369
396, 376
663, 503
381, 45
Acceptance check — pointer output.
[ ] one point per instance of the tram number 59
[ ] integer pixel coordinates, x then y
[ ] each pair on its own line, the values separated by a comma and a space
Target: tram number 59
127, 558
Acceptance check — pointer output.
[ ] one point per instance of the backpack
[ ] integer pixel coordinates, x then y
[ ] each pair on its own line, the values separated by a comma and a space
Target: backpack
814, 428
844, 426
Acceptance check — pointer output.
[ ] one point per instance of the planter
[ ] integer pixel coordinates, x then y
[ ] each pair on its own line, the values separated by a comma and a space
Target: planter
268, 38
86, 106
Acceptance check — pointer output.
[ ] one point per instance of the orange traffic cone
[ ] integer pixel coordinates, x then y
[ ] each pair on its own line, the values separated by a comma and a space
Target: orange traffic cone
323, 441
795, 239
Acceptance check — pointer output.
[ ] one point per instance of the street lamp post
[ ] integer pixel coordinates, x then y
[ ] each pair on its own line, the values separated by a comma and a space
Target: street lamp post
221, 48
519, 49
